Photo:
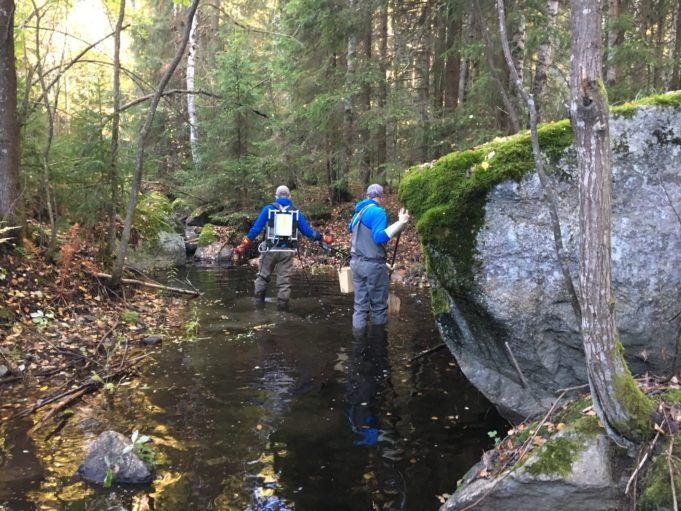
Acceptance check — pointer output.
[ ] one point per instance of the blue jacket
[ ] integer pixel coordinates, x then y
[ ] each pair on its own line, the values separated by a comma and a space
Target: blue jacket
262, 220
374, 218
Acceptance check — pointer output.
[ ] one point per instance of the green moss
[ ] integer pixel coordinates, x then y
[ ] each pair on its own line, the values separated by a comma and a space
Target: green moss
573, 411
448, 197
635, 404
131, 317
628, 109
207, 235
672, 397
657, 491
520, 438
439, 300
587, 425
555, 457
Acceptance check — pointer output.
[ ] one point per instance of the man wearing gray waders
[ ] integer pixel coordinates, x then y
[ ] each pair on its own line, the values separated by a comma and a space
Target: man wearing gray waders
370, 276
282, 222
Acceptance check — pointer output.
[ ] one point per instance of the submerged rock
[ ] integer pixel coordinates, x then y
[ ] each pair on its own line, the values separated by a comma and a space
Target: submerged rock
126, 467
498, 293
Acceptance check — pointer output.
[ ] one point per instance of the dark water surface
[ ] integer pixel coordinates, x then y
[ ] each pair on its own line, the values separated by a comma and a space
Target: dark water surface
275, 411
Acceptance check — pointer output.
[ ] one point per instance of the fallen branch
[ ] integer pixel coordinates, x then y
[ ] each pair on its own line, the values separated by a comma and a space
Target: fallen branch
642, 462
179, 290
428, 351
523, 380
61, 404
671, 472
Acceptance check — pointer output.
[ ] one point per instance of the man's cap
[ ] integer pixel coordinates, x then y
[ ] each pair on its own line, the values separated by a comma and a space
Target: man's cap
374, 190
283, 191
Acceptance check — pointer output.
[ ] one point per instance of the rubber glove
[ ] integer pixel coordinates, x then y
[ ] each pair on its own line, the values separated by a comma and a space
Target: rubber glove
397, 227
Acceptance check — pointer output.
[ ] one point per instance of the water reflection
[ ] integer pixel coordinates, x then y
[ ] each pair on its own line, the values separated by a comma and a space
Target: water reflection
270, 410
367, 398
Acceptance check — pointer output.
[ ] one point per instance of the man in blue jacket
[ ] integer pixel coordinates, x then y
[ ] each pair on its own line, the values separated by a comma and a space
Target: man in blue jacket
370, 276
277, 251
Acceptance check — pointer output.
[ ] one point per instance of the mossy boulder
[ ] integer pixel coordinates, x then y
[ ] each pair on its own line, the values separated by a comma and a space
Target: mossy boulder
169, 251
571, 471
498, 293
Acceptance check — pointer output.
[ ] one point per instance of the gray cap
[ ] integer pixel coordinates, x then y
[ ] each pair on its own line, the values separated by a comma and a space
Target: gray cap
374, 190
283, 191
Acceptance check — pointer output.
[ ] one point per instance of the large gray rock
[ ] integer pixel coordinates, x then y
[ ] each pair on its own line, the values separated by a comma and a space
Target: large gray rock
169, 251
126, 467
517, 306
592, 482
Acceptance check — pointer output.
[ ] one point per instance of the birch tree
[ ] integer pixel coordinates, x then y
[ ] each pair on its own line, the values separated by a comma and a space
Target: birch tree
191, 103
621, 406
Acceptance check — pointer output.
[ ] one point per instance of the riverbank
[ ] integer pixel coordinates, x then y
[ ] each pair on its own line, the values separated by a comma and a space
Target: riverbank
64, 333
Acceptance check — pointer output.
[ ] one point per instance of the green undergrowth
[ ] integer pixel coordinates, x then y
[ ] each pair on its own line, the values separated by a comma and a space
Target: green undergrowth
672, 397
657, 490
153, 215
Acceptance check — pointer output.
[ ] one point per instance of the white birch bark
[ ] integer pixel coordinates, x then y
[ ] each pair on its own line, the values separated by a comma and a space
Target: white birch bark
191, 103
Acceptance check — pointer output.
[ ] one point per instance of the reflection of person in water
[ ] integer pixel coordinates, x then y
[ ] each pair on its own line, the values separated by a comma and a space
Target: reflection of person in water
368, 379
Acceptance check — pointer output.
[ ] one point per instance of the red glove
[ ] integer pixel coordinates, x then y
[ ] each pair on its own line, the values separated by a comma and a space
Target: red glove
328, 239
241, 249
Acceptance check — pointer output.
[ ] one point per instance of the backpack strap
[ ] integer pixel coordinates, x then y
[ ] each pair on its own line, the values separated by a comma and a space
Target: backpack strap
358, 218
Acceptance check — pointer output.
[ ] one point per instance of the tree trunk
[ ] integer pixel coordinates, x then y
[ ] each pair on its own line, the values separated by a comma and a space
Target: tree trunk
544, 55
676, 56
620, 405
115, 125
9, 126
45, 157
501, 86
117, 272
613, 15
382, 93
191, 98
453, 60
365, 96
348, 101
422, 70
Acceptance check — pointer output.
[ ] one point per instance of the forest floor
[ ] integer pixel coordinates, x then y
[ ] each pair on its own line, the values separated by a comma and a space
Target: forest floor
65, 334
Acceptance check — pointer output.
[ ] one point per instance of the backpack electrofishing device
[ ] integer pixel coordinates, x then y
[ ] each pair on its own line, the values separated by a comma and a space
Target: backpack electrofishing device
281, 233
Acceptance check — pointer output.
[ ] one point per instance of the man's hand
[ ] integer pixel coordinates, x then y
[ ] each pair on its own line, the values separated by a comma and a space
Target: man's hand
328, 239
241, 249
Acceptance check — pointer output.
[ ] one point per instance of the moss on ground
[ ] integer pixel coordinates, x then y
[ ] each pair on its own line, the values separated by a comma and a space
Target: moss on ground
555, 457
207, 235
657, 490
588, 425
672, 397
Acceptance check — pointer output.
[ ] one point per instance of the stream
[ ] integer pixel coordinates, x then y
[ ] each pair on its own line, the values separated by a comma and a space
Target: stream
266, 410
